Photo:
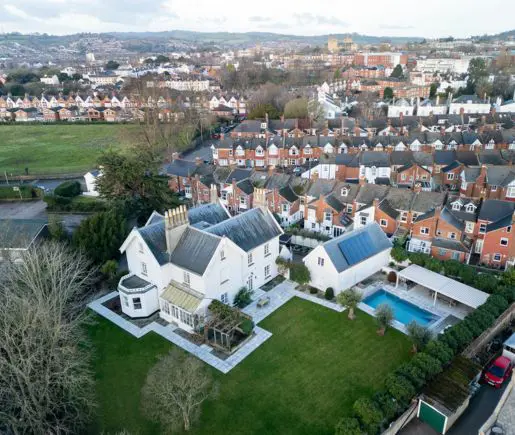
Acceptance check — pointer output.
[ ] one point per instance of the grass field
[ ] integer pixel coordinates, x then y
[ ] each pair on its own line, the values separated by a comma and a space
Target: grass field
57, 149
300, 381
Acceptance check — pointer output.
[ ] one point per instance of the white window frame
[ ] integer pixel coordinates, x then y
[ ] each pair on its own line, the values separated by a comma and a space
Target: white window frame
222, 255
450, 176
186, 278
424, 230
125, 300
250, 260
224, 298
482, 228
267, 250
144, 269
497, 258
321, 261
510, 192
505, 240
383, 223
363, 220
268, 272
451, 235
469, 227
136, 302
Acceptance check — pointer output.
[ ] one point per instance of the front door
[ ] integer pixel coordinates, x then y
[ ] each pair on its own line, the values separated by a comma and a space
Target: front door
250, 283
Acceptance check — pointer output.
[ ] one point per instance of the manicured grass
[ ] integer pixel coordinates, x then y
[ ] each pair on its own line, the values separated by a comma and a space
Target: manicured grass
57, 149
301, 381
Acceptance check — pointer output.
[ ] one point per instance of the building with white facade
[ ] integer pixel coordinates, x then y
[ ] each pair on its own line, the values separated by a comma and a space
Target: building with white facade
347, 260
458, 66
401, 107
50, 81
180, 262
469, 104
90, 179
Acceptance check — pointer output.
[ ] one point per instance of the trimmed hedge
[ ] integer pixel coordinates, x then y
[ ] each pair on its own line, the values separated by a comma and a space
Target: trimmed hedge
68, 189
79, 204
26, 191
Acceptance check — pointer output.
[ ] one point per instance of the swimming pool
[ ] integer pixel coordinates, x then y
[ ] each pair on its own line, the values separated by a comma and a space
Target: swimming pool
403, 311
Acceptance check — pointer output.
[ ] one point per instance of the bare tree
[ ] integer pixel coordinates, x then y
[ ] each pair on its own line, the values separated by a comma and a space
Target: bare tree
175, 389
45, 381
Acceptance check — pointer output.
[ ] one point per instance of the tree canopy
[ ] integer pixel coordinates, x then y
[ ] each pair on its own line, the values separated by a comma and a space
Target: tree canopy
297, 108
397, 72
112, 65
388, 93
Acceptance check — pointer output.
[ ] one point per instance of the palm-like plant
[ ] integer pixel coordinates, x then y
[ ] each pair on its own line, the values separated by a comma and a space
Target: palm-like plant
350, 299
384, 317
419, 335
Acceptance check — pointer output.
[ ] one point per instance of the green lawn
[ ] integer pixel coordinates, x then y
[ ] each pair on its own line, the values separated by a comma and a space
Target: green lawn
57, 149
300, 381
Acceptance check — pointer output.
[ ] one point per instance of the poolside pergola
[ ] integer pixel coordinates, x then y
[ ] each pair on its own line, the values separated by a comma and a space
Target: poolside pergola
441, 285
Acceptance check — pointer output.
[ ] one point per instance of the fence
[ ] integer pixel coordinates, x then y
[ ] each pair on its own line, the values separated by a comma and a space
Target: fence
305, 241
403, 420
501, 323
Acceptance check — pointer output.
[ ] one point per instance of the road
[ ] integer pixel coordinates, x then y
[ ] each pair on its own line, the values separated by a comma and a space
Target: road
481, 407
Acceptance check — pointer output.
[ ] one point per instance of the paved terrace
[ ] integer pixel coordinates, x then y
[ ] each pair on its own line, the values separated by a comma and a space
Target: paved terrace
279, 295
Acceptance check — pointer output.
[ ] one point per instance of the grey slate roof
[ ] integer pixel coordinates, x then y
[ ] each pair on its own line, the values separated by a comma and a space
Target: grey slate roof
493, 210
352, 191
453, 245
491, 157
288, 194
448, 217
444, 157
400, 199
195, 250
369, 192
210, 213
388, 209
376, 234
181, 168
19, 233
320, 187
238, 175
468, 158
333, 202
401, 158
501, 223
425, 201
246, 186
423, 159
375, 158
500, 175
248, 230
155, 238
471, 174
349, 160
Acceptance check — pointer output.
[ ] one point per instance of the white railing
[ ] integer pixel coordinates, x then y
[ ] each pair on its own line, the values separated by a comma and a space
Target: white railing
412, 247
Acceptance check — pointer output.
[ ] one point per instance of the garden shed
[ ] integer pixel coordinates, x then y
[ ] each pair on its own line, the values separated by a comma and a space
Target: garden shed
448, 395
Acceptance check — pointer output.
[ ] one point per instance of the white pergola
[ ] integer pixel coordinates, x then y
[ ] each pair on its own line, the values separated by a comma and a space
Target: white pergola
439, 284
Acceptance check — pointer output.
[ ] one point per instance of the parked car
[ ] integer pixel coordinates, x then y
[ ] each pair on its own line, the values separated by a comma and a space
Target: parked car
498, 371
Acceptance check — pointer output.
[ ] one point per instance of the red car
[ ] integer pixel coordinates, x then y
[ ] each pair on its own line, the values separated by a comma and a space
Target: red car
498, 371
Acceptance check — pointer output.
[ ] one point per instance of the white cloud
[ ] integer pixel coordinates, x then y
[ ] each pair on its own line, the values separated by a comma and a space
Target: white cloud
376, 17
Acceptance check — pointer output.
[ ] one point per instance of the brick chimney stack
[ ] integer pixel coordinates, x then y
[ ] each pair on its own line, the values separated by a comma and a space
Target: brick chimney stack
213, 194
176, 221
417, 188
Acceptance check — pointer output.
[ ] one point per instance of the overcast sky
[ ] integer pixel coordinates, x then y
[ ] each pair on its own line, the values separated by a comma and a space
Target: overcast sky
436, 18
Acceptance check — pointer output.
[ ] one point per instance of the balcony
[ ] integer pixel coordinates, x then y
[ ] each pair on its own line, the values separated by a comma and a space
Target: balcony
418, 247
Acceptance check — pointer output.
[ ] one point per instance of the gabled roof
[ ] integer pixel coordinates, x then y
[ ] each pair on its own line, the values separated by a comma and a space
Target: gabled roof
288, 194
401, 157
468, 158
375, 158
195, 250
248, 230
501, 223
246, 186
333, 202
238, 175
491, 157
425, 201
444, 157
356, 246
181, 168
493, 210
369, 192
349, 160
385, 206
448, 217
500, 175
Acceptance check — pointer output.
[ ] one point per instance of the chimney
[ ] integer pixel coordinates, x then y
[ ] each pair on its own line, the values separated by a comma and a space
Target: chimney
222, 136
198, 161
482, 174
282, 118
375, 203
314, 175
266, 119
176, 221
270, 170
438, 210
260, 198
213, 194
175, 156
437, 100
417, 188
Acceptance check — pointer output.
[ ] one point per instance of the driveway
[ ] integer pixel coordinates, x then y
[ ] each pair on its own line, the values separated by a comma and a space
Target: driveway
23, 210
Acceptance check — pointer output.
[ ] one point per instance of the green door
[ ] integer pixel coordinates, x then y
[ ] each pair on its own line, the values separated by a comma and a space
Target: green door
432, 417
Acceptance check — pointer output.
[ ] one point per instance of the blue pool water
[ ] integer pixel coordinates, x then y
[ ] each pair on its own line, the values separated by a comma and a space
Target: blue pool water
403, 311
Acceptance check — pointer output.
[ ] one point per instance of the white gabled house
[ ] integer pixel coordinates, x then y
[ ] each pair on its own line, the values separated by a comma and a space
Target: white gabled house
347, 260
182, 261
91, 179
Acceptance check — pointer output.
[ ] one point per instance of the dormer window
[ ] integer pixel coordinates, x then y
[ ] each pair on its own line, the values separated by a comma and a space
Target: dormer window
263, 126
456, 206
307, 149
259, 151
470, 208
344, 191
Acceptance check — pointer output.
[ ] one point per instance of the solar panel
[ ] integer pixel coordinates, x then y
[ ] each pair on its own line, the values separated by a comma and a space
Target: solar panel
357, 248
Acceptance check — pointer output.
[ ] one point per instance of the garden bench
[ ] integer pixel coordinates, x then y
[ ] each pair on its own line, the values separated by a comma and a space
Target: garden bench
263, 301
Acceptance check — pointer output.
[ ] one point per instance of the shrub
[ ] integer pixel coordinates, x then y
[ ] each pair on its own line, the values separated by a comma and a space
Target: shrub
399, 254
418, 258
313, 290
413, 373
467, 274
329, 293
368, 413
399, 387
68, 189
428, 365
243, 297
452, 268
348, 426
439, 350
350, 299
486, 282
392, 276
433, 264
109, 270
387, 403
247, 326
299, 273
